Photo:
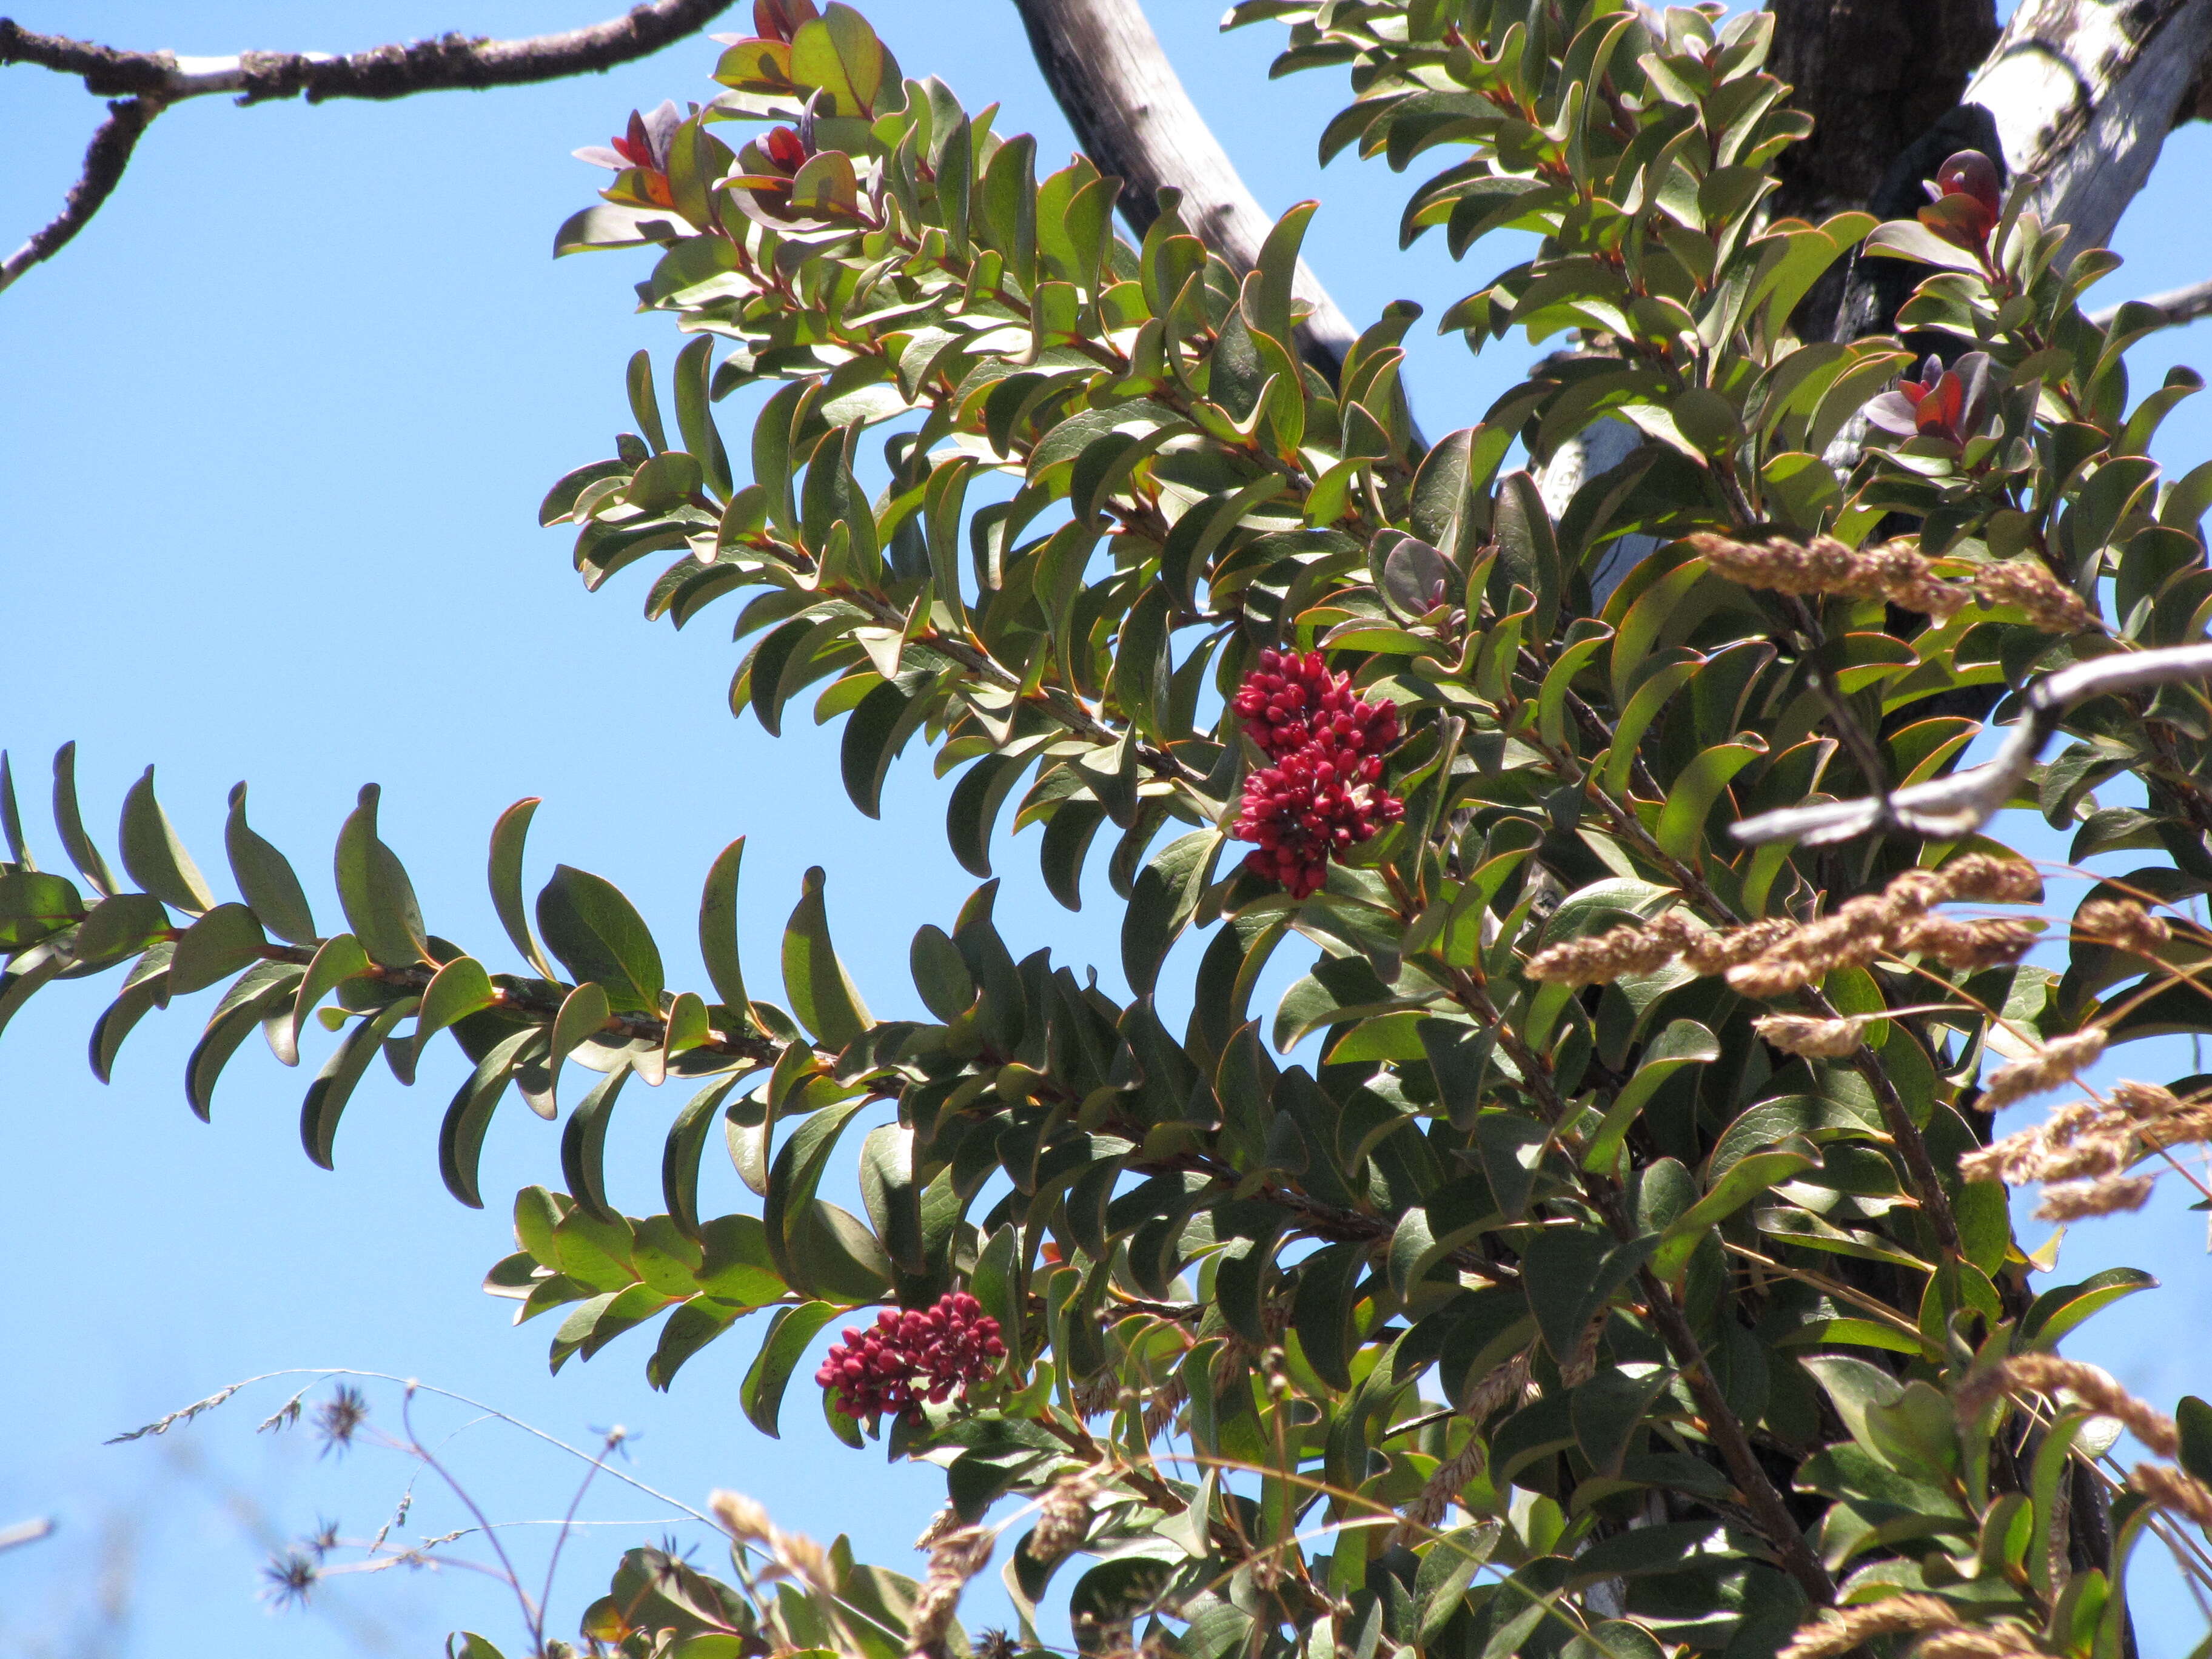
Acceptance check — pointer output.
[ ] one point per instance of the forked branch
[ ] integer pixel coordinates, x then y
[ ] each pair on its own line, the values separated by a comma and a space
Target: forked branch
147, 82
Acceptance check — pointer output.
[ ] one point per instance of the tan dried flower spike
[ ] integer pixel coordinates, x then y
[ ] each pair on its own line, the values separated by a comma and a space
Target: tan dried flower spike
2079, 1201
1796, 1034
956, 1558
2097, 1391
2056, 1063
1893, 571
2170, 1489
1839, 1630
2125, 923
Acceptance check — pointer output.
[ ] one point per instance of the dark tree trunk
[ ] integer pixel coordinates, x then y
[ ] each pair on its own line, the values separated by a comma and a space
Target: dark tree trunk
1877, 76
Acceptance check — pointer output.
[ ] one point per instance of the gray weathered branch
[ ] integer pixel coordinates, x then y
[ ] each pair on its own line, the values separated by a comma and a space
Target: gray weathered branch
2177, 305
450, 62
147, 82
104, 158
2083, 93
25, 1532
1135, 120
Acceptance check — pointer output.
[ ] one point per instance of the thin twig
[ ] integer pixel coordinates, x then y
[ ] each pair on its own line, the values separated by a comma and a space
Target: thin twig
2176, 306
147, 82
104, 158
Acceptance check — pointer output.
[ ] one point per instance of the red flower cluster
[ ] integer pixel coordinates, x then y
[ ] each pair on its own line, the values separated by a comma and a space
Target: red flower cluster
912, 1355
1322, 794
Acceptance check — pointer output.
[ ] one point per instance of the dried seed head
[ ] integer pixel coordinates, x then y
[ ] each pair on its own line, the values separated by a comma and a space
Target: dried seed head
2078, 1200
2125, 923
1796, 1034
742, 1517
1984, 942
1839, 1630
1986, 880
2096, 1390
1893, 571
2005, 1641
1064, 1518
957, 1558
790, 1554
2170, 1489
2056, 1063
942, 1525
2049, 603
1614, 954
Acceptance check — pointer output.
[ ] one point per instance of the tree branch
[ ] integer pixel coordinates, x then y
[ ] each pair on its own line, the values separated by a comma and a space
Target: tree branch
2083, 93
2176, 306
147, 82
450, 62
104, 158
1132, 118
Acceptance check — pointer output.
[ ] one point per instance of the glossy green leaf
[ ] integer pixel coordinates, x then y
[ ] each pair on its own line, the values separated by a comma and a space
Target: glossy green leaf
508, 836
334, 1085
760, 1395
374, 889
266, 879
820, 993
583, 1144
598, 935
718, 927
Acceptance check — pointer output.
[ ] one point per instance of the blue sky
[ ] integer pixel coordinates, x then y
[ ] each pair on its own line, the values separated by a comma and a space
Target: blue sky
277, 425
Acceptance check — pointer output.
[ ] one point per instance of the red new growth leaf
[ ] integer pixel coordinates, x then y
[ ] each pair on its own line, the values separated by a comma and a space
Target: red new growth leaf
1965, 204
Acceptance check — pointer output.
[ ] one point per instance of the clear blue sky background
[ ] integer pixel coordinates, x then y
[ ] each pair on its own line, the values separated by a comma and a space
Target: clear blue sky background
276, 429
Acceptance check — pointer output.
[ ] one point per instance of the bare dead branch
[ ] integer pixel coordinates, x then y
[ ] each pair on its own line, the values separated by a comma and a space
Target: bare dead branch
450, 62
25, 1532
1135, 120
147, 82
2083, 94
1949, 809
104, 158
2177, 305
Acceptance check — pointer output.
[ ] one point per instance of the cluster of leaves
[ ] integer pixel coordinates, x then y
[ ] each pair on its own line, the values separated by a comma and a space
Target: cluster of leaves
1675, 1318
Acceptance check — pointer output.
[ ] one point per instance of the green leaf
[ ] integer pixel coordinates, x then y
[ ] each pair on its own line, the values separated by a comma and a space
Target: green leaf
2055, 1313
598, 935
584, 1013
116, 928
644, 403
1746, 1179
2193, 1417
506, 876
820, 993
339, 958
1165, 898
16, 989
374, 889
941, 974
69, 821
1321, 1310
717, 928
220, 944
695, 416
35, 906
584, 1145
11, 816
458, 989
116, 1022
680, 1154
154, 855
266, 879
460, 1137
760, 1395
334, 1086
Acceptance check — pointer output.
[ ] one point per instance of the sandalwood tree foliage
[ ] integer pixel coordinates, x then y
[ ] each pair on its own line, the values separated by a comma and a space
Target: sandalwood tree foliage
1603, 1249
